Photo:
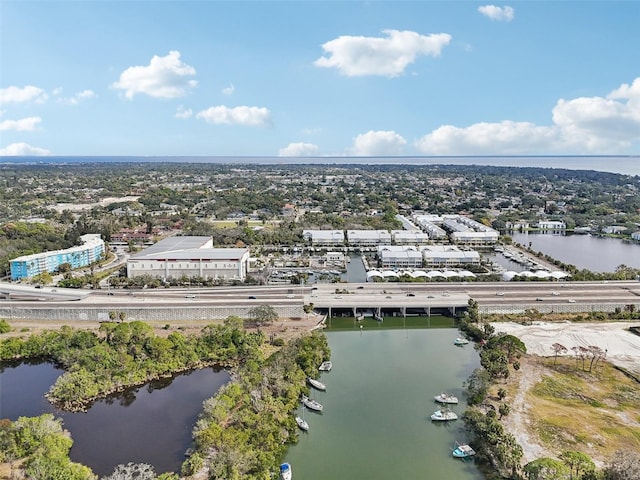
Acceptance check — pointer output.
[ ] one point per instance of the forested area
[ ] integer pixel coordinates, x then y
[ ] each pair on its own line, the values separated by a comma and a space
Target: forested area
241, 433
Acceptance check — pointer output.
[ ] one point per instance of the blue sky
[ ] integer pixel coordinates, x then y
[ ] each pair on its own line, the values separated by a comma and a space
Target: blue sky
326, 78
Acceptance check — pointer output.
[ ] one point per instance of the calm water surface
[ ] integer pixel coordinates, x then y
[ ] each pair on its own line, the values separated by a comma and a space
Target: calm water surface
150, 424
379, 397
598, 254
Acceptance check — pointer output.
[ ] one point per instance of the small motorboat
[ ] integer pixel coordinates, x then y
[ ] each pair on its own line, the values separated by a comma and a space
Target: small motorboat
460, 341
325, 366
443, 415
446, 398
463, 451
285, 471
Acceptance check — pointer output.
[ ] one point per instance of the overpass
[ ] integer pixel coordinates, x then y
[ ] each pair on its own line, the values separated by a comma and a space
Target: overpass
352, 299
12, 291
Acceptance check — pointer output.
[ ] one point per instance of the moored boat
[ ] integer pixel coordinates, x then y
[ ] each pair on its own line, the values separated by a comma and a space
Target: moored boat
318, 385
443, 415
325, 366
463, 451
285, 471
312, 404
446, 398
460, 341
302, 423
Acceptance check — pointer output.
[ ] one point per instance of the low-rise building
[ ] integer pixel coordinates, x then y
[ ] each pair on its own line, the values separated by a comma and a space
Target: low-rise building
396, 256
190, 256
324, 237
409, 237
551, 225
440, 256
368, 238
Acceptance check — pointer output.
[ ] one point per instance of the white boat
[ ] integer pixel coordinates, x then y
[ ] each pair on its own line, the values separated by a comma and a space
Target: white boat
316, 384
302, 423
325, 366
460, 341
463, 451
312, 404
285, 471
443, 415
446, 398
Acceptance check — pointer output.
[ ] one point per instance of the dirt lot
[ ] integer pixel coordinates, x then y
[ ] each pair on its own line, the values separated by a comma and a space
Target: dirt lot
623, 349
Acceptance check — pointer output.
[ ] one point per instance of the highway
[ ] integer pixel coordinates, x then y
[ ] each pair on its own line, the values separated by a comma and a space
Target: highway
387, 294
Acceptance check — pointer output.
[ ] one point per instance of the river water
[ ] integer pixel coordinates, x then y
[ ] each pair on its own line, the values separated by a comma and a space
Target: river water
375, 423
598, 254
150, 424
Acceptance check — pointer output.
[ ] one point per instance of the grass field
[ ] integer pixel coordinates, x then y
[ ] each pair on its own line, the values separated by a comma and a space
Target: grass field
594, 412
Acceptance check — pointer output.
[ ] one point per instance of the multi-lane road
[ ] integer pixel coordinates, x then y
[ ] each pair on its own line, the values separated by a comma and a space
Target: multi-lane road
388, 293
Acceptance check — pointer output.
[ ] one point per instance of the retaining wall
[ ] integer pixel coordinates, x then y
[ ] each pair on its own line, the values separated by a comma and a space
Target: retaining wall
164, 314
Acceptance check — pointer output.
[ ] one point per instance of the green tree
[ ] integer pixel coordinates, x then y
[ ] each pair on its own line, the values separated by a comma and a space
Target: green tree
578, 463
546, 469
263, 315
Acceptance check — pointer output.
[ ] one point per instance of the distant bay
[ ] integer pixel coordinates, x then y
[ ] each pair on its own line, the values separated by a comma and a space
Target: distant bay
622, 164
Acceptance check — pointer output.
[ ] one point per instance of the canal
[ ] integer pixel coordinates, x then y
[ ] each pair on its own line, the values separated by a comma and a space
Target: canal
376, 418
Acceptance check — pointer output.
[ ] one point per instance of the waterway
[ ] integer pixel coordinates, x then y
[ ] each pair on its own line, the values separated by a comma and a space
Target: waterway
376, 419
375, 423
150, 424
598, 254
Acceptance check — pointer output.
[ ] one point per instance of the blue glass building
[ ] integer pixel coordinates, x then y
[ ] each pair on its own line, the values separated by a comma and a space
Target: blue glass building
90, 251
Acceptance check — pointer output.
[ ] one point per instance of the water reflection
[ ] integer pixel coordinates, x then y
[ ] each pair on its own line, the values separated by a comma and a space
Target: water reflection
150, 424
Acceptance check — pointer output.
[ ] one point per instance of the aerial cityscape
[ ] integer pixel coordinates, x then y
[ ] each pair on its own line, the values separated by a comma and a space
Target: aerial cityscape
304, 239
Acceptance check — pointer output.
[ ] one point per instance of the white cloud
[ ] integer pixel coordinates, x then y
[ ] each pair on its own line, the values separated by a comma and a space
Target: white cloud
376, 143
249, 116
21, 95
388, 57
77, 98
17, 149
229, 90
505, 14
182, 112
506, 137
23, 125
164, 77
585, 125
299, 149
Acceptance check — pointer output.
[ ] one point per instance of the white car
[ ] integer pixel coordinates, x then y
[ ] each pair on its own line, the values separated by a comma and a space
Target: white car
500, 294
571, 300
555, 293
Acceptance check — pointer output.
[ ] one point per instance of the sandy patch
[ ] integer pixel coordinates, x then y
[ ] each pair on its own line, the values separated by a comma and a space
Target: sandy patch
622, 346
623, 349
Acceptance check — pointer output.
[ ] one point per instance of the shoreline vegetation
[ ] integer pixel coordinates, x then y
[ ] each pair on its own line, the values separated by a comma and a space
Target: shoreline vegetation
245, 429
605, 395
242, 432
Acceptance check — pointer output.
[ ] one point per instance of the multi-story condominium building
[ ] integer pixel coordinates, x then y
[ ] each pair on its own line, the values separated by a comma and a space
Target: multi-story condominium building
90, 251
189, 256
409, 237
399, 257
368, 238
551, 225
324, 237
441, 256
